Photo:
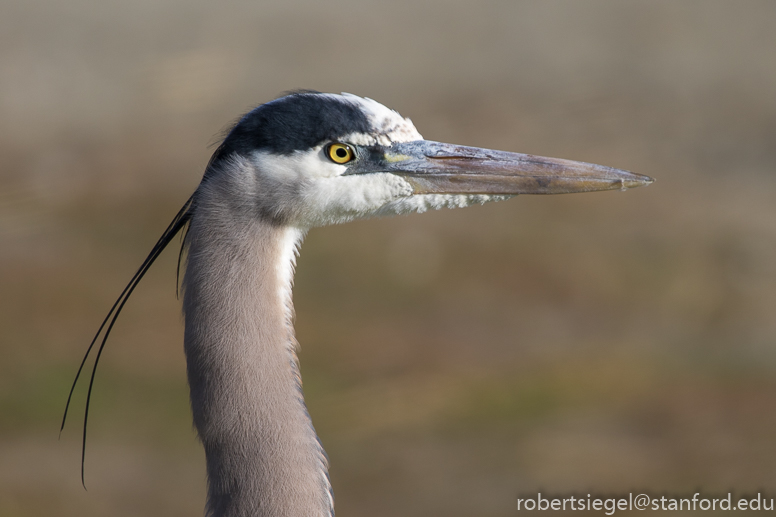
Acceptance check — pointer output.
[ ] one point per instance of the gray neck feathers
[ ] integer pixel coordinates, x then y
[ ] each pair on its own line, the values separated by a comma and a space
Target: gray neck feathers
263, 456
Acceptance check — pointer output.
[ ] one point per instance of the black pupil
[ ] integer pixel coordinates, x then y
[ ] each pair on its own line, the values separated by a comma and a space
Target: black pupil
341, 152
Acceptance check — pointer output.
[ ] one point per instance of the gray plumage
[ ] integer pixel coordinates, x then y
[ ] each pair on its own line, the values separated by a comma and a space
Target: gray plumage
261, 448
301, 161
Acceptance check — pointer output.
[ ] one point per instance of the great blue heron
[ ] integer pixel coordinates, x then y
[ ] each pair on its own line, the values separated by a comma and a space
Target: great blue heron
304, 160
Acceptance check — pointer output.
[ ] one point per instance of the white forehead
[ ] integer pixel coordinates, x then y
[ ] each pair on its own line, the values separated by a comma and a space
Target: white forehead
387, 125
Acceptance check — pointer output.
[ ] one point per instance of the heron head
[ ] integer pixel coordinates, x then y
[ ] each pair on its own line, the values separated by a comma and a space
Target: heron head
311, 159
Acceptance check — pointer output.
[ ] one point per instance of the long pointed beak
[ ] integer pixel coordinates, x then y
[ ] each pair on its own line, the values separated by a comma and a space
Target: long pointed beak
438, 168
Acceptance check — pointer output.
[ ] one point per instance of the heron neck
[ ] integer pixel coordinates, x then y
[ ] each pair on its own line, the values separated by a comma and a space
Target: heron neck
263, 456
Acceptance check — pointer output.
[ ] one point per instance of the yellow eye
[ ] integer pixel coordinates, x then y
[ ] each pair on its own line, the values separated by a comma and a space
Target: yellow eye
340, 153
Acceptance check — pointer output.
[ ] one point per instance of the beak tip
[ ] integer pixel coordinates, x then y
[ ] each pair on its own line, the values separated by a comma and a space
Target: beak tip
635, 180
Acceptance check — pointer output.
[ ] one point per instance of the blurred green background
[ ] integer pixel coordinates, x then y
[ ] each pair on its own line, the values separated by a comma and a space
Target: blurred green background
603, 342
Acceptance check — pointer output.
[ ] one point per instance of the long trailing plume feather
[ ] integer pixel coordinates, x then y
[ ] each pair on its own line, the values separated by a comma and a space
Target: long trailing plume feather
180, 258
180, 221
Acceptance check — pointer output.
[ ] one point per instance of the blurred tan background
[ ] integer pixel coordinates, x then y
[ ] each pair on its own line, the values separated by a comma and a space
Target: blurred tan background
603, 342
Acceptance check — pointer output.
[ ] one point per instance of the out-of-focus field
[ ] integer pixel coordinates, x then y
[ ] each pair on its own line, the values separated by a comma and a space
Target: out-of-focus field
591, 343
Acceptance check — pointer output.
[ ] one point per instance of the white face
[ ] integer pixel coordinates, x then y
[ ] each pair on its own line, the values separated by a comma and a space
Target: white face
323, 194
